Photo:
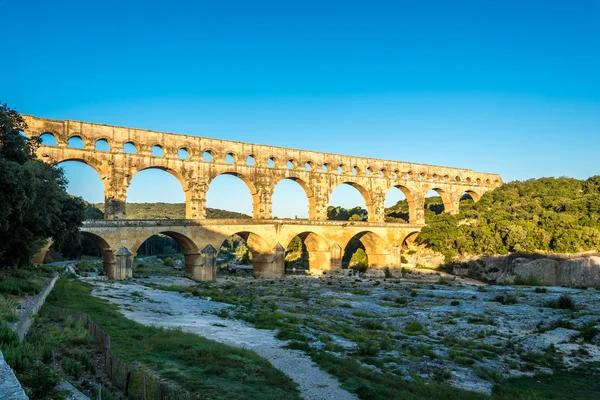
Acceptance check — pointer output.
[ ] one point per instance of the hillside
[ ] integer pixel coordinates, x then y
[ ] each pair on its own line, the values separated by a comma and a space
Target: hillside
555, 215
167, 211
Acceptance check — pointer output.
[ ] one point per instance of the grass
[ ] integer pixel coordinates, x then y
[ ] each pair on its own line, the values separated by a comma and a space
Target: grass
368, 384
197, 364
581, 383
20, 282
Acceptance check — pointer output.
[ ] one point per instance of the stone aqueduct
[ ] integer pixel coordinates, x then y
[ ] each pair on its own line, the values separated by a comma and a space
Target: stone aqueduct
196, 161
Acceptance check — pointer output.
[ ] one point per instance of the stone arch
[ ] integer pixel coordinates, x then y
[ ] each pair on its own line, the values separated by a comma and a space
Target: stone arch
365, 195
130, 144
191, 252
208, 155
96, 165
410, 199
251, 187
183, 153
108, 255
448, 206
375, 247
102, 140
267, 261
72, 142
49, 135
175, 173
187, 245
474, 195
230, 158
157, 151
319, 256
409, 239
291, 163
310, 196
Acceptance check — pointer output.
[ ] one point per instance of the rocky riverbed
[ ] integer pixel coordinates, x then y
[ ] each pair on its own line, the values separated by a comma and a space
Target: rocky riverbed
467, 336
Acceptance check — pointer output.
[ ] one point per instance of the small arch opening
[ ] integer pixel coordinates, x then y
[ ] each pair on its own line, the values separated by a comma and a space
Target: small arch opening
229, 159
250, 161
157, 151
324, 167
102, 145
290, 164
183, 154
340, 169
271, 162
129, 148
368, 171
75, 142
207, 156
354, 171
308, 165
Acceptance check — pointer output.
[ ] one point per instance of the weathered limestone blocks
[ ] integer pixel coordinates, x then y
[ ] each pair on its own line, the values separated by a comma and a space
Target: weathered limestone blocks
261, 167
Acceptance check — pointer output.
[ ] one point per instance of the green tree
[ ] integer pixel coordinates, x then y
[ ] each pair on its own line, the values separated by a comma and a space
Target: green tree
34, 203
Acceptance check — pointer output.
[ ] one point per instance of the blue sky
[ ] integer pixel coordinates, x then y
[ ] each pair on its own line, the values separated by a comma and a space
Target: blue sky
499, 86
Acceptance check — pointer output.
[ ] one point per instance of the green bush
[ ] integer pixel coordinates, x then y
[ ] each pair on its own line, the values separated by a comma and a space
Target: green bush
72, 367
414, 327
455, 303
169, 262
367, 349
566, 302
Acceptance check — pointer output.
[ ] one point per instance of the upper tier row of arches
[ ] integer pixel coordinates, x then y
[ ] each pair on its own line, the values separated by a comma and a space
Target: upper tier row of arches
291, 198
230, 157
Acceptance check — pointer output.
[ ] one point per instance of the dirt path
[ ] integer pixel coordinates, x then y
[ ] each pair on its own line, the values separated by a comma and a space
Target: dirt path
171, 309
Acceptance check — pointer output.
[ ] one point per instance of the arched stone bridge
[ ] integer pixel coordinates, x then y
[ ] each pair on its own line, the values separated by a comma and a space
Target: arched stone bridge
196, 161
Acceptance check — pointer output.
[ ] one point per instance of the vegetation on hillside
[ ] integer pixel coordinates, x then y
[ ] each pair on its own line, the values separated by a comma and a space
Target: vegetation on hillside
35, 204
559, 215
167, 211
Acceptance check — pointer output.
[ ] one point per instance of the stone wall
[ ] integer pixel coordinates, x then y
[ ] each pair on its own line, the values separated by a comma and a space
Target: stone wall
569, 270
10, 388
25, 323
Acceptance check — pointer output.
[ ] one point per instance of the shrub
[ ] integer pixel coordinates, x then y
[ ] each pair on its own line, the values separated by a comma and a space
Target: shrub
367, 349
566, 302
72, 367
455, 303
541, 290
589, 331
400, 300
414, 327
169, 262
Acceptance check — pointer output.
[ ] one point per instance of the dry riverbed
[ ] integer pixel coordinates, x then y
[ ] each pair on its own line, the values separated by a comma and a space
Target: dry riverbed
466, 336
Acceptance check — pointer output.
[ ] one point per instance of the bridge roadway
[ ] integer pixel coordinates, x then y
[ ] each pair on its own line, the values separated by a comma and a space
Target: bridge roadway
201, 240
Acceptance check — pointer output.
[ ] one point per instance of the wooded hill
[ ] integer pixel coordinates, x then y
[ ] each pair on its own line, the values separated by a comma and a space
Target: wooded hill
163, 211
554, 215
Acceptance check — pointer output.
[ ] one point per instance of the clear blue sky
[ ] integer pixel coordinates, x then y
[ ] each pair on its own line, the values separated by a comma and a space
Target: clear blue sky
511, 87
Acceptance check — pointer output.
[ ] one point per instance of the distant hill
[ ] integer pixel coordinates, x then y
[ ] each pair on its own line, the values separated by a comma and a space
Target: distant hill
163, 211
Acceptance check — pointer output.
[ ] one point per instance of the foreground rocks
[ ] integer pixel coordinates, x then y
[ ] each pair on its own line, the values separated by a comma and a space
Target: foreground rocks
438, 328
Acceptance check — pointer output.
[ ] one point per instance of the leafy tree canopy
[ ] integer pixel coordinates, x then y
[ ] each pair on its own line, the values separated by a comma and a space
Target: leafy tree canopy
34, 204
559, 215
